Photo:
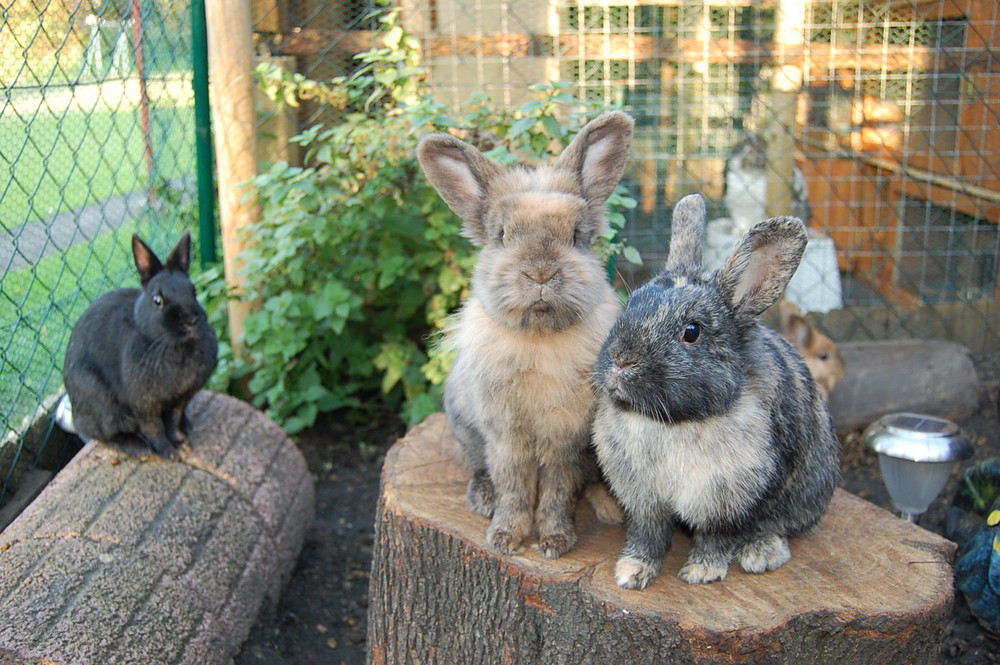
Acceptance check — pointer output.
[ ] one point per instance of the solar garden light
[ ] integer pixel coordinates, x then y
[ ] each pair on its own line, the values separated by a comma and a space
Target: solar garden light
916, 454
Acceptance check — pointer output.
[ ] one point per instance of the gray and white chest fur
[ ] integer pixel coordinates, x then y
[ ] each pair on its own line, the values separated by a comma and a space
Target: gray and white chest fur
706, 472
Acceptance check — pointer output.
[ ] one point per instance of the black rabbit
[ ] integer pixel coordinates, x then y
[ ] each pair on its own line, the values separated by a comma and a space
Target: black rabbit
137, 356
707, 418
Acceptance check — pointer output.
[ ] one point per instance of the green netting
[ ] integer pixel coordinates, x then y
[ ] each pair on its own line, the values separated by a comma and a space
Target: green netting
96, 142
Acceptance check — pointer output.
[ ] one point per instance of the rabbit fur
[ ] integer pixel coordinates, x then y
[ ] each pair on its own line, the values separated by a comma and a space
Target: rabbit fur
819, 351
707, 419
519, 398
137, 356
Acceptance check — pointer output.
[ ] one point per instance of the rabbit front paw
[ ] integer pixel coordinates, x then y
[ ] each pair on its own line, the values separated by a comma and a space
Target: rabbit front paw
481, 494
554, 545
635, 573
769, 552
702, 573
505, 541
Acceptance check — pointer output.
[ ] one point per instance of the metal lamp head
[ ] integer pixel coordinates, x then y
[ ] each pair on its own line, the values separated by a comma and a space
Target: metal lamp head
916, 454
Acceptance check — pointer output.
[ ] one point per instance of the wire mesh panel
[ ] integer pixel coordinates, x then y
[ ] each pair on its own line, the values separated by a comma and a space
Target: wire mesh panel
876, 121
96, 142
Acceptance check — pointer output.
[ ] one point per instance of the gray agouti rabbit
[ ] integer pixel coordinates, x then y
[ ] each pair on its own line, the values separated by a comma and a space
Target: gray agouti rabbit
137, 356
706, 418
519, 398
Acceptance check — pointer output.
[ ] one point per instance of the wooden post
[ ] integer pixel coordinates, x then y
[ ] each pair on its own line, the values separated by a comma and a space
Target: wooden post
779, 127
230, 64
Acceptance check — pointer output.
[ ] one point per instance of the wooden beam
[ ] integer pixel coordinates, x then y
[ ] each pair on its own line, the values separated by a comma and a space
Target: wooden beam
230, 66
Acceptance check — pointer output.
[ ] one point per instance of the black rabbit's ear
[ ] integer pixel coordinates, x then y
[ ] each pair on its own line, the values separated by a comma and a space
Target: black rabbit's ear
146, 262
180, 256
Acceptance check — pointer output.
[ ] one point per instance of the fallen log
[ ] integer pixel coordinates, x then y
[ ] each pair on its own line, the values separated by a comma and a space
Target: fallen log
136, 559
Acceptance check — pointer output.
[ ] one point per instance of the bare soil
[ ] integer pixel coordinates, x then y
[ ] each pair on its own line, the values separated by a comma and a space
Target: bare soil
321, 618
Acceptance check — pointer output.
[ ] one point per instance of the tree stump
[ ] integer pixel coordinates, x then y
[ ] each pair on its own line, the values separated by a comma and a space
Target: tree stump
866, 588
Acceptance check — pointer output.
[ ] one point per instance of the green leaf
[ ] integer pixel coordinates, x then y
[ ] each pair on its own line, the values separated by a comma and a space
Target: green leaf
521, 126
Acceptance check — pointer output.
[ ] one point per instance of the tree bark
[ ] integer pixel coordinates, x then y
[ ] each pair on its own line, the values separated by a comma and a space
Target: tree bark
866, 588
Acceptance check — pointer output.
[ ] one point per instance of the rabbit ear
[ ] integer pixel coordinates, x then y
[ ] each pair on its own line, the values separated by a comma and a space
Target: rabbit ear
598, 155
180, 256
794, 326
461, 175
757, 272
146, 262
687, 233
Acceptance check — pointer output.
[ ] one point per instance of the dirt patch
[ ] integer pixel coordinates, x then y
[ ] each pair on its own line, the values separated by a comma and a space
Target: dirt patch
321, 618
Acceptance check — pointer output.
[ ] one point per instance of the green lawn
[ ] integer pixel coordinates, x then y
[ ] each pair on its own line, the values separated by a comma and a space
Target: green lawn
54, 162
59, 162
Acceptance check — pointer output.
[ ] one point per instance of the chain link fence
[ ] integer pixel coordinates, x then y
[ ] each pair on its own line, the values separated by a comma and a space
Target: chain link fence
96, 143
878, 121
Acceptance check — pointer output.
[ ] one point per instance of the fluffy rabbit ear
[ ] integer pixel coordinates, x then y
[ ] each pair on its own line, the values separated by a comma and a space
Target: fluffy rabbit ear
461, 175
687, 234
794, 326
180, 256
146, 262
757, 272
598, 155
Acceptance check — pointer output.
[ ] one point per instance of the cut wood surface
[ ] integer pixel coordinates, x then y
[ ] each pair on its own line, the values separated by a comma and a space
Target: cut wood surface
866, 588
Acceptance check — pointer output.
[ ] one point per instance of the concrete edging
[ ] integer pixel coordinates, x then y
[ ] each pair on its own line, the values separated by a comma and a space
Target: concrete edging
125, 559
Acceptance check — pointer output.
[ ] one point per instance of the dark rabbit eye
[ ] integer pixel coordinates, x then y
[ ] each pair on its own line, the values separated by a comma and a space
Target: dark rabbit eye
691, 332
158, 300
824, 355
502, 236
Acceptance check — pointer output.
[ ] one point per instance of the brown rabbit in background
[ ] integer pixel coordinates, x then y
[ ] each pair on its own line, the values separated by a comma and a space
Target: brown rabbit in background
519, 398
819, 351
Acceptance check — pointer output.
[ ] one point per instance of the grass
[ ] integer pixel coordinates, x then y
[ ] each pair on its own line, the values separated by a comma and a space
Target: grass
40, 305
64, 161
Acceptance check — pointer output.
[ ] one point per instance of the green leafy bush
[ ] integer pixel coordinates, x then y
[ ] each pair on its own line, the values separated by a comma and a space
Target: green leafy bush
357, 262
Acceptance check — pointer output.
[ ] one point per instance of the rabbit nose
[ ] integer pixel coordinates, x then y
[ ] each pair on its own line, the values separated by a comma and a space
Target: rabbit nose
541, 276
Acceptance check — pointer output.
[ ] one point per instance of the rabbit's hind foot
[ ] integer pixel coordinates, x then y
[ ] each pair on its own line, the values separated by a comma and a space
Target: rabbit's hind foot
768, 552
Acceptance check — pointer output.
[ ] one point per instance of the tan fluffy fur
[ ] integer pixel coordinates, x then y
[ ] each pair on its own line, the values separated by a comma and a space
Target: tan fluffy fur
519, 398
819, 351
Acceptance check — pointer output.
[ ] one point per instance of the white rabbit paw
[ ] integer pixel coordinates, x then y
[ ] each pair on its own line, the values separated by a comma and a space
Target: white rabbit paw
702, 573
769, 552
634, 573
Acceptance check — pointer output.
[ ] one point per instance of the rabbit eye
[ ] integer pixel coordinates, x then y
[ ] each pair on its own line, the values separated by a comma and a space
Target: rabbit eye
824, 355
157, 300
691, 332
503, 236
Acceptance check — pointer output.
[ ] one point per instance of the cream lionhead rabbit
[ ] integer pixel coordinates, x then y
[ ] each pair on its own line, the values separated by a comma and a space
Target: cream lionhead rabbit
706, 418
519, 398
